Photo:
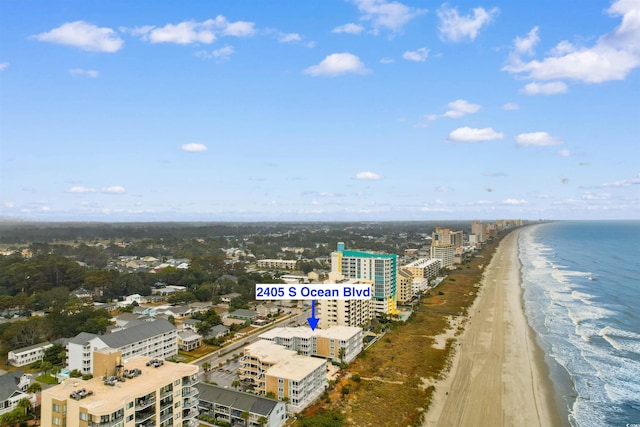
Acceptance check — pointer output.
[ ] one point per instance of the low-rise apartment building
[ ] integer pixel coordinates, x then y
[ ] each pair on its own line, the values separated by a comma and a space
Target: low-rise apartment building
280, 264
156, 338
234, 407
273, 369
27, 355
325, 343
140, 392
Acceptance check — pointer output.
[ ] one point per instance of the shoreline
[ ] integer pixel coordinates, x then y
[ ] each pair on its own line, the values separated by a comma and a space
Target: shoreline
498, 374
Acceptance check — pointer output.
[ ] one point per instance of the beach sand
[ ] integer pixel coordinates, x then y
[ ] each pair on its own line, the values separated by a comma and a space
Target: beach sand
498, 375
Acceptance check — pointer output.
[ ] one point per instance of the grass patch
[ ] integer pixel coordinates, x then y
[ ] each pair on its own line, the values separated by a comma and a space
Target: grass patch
47, 379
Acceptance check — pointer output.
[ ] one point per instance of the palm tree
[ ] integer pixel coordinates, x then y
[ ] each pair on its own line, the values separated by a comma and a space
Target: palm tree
245, 417
235, 383
34, 388
341, 352
262, 421
25, 404
206, 366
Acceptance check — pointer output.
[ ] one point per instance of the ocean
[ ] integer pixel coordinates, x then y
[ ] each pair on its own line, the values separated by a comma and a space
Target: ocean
581, 283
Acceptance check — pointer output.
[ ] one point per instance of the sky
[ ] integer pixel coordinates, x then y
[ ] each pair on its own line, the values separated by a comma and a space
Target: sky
319, 110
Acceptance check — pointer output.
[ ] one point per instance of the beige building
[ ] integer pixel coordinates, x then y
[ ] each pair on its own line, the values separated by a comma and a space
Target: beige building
446, 253
403, 283
140, 392
345, 312
424, 268
282, 373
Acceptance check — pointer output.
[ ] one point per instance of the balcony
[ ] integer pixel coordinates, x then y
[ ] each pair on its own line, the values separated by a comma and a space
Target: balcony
105, 423
166, 417
143, 404
189, 392
189, 381
144, 416
190, 414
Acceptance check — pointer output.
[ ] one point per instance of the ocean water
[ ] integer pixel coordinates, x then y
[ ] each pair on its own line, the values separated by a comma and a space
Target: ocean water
581, 283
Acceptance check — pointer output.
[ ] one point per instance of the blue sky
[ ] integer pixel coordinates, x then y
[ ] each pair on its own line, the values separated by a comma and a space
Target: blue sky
319, 110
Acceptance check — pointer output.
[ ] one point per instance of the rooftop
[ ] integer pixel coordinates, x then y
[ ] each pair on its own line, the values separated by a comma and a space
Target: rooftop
236, 399
333, 332
107, 399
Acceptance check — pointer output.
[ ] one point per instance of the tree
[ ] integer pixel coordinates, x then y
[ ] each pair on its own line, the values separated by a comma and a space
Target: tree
341, 352
262, 421
245, 416
56, 355
34, 388
206, 366
25, 405
235, 383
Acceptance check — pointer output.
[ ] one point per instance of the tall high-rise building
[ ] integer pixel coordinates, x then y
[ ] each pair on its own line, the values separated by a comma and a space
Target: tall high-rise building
379, 269
345, 312
140, 392
480, 230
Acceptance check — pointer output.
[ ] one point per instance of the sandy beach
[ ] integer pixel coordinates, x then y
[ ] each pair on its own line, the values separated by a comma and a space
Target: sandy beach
498, 376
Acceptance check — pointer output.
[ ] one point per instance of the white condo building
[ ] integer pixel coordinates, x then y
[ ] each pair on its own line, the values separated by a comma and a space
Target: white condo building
156, 339
319, 342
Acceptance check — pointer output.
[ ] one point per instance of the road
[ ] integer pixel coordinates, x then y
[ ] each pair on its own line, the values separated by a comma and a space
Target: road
227, 352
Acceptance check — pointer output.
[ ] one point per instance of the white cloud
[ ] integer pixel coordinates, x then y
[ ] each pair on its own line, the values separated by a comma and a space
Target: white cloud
194, 147
391, 15
612, 56
467, 134
82, 72
188, 32
623, 183
514, 202
418, 55
4, 66
83, 35
183, 33
81, 189
456, 28
114, 189
387, 61
551, 88
510, 106
336, 64
564, 153
537, 139
526, 44
222, 54
595, 196
368, 176
288, 38
460, 107
349, 28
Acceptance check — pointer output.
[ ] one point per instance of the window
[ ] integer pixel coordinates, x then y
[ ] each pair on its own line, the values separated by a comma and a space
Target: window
130, 418
84, 416
56, 407
56, 421
129, 405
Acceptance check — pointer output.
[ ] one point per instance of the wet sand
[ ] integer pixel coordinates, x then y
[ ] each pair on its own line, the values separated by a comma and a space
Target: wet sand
498, 375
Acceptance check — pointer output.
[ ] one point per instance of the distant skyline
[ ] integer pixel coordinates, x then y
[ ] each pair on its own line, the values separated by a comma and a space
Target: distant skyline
351, 110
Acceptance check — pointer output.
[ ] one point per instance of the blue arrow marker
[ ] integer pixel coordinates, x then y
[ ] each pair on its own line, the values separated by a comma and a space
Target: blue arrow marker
313, 321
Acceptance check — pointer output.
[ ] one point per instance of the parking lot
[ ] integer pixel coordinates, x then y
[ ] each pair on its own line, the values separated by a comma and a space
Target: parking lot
225, 375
